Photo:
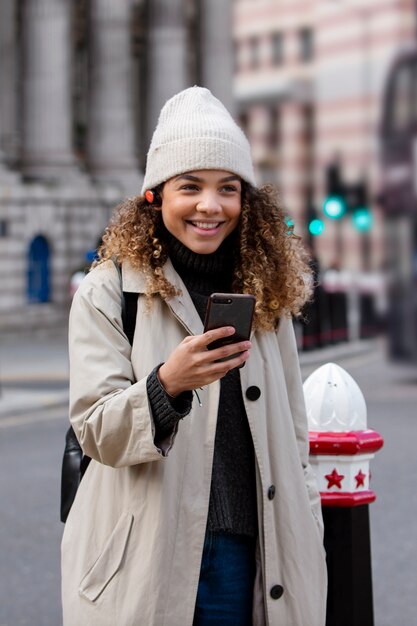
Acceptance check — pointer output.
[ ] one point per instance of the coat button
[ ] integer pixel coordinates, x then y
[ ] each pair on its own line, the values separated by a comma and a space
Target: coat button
271, 492
253, 393
276, 592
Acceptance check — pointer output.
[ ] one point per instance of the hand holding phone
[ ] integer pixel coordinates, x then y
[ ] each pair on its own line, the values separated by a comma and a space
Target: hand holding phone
230, 309
191, 365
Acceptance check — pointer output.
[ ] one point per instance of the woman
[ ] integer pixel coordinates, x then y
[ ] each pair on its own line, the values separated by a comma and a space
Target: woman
194, 510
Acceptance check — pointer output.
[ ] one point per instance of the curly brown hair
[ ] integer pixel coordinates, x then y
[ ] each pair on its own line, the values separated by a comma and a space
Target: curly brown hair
271, 262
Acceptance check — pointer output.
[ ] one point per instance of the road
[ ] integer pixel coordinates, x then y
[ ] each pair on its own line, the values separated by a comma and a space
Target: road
30, 531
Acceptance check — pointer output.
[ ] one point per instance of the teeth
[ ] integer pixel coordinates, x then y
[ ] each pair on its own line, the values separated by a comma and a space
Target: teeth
206, 225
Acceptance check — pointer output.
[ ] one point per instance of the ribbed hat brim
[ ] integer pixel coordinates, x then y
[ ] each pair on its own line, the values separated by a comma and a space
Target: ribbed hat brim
196, 132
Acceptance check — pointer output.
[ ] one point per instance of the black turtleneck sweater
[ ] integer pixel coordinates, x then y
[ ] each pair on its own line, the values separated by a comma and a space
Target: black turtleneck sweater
232, 505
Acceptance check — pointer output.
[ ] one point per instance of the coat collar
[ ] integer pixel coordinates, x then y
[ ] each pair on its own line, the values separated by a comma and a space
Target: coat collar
182, 306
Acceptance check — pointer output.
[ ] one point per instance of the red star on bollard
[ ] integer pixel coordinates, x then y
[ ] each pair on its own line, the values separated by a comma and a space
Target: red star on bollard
334, 479
360, 479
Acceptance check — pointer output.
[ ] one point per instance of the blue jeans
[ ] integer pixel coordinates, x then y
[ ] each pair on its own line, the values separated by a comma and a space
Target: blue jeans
225, 588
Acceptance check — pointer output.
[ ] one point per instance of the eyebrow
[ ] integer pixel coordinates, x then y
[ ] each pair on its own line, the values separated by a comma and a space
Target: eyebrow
196, 179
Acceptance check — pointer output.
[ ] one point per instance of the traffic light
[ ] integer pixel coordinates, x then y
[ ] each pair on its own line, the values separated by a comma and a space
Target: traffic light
342, 198
359, 207
362, 219
290, 224
315, 225
334, 205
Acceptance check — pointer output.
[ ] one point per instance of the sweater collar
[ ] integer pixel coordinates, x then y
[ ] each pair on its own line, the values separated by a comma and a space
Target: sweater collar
182, 305
204, 273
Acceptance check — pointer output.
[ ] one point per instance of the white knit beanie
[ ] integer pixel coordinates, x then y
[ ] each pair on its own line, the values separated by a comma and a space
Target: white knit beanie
196, 132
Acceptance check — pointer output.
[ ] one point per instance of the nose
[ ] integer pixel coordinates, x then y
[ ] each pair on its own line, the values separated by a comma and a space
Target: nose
209, 203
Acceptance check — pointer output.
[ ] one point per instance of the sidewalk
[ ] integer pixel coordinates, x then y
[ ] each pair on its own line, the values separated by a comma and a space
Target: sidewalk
34, 370
332, 354
33, 373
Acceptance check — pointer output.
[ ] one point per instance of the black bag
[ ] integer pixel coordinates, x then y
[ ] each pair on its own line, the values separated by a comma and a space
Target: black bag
74, 462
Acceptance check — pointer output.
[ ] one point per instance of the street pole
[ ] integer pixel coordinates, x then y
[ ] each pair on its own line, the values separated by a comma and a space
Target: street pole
341, 447
348, 555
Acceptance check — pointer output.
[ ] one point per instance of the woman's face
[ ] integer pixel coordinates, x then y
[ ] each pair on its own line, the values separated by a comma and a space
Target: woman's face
201, 208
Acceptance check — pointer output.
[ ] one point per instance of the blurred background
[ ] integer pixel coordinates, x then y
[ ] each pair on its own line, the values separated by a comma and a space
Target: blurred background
326, 91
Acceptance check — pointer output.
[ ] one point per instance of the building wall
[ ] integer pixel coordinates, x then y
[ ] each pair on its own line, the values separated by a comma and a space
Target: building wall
82, 84
355, 44
339, 87
52, 186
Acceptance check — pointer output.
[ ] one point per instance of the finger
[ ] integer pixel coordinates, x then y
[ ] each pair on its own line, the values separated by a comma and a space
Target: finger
202, 359
216, 333
220, 368
228, 350
215, 371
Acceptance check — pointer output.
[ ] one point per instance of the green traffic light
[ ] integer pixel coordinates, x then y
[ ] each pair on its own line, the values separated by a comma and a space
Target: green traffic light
334, 207
316, 227
362, 219
290, 223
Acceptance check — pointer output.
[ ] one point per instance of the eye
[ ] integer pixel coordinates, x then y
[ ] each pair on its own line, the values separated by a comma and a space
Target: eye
229, 188
189, 187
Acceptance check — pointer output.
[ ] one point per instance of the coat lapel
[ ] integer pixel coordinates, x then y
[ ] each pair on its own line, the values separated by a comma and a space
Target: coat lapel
182, 305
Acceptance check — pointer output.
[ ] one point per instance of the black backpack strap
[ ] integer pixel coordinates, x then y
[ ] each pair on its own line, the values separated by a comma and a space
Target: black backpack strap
129, 307
129, 311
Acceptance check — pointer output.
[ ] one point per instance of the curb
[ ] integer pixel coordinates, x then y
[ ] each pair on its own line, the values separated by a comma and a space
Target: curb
339, 351
14, 409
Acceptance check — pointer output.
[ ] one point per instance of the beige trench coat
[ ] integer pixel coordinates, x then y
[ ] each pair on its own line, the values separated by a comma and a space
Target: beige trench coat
133, 541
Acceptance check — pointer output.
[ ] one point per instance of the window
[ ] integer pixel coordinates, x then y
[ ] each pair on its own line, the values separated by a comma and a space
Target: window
277, 48
254, 49
4, 228
403, 99
244, 122
400, 115
274, 128
306, 44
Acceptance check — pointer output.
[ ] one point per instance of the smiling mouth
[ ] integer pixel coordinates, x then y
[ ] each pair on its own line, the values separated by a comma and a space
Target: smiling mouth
206, 225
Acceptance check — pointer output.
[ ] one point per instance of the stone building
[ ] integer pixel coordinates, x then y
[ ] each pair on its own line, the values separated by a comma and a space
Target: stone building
82, 82
309, 79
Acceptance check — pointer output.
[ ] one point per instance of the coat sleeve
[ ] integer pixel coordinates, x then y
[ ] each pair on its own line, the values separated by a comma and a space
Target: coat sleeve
292, 373
109, 410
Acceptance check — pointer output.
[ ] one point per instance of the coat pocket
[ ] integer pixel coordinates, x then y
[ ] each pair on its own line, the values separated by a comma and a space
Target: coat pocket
109, 561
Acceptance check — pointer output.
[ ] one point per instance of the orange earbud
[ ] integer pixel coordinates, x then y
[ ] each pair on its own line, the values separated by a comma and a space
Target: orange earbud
149, 196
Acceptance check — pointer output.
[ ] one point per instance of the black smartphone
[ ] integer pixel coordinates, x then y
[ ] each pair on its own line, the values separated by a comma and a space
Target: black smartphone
230, 309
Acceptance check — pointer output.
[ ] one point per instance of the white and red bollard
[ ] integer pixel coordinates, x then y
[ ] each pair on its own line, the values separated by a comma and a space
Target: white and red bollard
341, 448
